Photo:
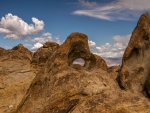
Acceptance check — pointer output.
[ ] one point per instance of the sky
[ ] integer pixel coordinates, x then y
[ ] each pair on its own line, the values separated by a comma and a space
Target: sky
107, 23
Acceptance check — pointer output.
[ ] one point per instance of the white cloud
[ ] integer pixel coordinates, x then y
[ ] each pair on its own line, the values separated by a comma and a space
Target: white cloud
122, 39
118, 47
117, 10
47, 34
45, 37
116, 50
133, 4
91, 44
14, 27
120, 43
57, 40
87, 3
107, 54
36, 46
103, 48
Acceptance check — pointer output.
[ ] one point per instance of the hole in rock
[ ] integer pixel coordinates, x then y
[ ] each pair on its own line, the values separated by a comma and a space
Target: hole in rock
79, 61
146, 93
135, 51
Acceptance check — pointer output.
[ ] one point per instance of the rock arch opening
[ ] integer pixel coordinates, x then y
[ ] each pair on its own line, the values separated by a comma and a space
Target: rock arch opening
78, 61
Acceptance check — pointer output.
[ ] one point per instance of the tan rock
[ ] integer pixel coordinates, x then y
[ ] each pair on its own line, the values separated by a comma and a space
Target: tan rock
17, 72
2, 50
114, 71
23, 52
15, 76
61, 87
42, 54
136, 59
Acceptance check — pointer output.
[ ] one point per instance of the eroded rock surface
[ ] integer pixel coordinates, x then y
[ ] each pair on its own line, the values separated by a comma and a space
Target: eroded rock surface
114, 71
15, 76
18, 68
61, 87
42, 54
135, 68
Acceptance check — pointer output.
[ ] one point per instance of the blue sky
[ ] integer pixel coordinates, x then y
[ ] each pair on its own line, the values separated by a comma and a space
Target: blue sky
107, 23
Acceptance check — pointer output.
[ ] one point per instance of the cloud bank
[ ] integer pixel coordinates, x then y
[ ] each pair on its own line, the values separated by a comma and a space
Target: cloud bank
116, 10
115, 50
15, 28
91, 44
43, 38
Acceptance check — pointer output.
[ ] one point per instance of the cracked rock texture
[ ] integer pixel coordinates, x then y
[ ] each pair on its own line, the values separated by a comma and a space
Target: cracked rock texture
63, 87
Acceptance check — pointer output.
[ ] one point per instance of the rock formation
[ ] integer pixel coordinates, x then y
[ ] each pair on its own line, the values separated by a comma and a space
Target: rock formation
18, 68
135, 68
15, 76
113, 71
60, 87
42, 54
24, 53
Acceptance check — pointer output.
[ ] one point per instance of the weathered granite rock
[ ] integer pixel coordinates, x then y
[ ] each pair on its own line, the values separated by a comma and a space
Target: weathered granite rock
135, 68
114, 71
42, 54
24, 52
2, 50
18, 52
60, 87
15, 76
